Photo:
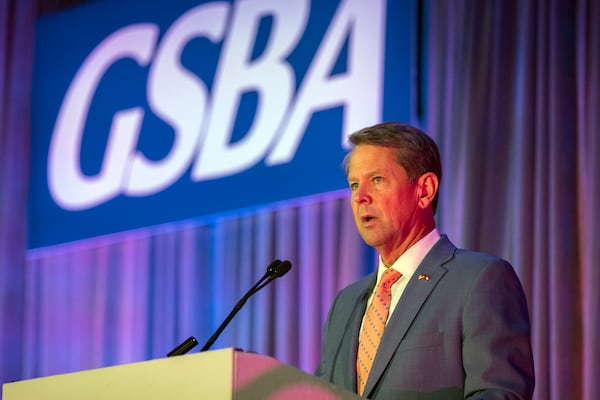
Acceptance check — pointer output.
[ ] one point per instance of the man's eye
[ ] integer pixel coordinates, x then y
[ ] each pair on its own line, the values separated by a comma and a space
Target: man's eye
353, 185
377, 179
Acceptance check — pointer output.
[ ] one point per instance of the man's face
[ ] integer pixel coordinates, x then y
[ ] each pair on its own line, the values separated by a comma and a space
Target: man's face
384, 203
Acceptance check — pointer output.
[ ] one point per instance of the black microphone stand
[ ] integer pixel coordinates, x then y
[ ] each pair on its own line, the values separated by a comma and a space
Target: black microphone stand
275, 270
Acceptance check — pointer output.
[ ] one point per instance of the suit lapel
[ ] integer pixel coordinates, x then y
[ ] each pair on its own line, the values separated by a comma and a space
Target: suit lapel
415, 294
349, 338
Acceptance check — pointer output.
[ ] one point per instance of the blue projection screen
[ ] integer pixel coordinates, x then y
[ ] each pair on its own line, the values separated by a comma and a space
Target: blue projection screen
148, 112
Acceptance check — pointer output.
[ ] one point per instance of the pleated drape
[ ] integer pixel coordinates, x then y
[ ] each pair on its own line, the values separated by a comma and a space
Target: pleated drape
513, 101
137, 295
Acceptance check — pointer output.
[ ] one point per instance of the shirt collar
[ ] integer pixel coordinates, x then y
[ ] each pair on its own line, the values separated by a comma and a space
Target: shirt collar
408, 262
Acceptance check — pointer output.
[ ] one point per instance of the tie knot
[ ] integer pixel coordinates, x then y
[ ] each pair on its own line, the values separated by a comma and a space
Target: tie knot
389, 277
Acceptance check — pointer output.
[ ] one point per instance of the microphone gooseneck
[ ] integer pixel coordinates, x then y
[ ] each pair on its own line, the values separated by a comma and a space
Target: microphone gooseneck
275, 270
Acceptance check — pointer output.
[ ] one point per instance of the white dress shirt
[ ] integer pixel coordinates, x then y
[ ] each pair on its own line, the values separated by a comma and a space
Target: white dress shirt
406, 264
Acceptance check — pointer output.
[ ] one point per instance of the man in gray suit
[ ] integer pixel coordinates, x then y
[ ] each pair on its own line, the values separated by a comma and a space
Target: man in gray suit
458, 325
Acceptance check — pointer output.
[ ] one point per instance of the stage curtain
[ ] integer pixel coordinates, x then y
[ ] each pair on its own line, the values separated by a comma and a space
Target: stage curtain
511, 94
16, 48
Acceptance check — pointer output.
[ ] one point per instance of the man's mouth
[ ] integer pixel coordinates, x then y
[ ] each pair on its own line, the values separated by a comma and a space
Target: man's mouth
367, 218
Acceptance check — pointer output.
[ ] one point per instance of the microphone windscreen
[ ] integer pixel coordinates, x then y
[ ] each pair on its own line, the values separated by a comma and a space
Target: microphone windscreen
272, 268
282, 268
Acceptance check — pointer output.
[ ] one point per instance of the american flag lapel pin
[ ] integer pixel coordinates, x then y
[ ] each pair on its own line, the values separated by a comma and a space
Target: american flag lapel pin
423, 277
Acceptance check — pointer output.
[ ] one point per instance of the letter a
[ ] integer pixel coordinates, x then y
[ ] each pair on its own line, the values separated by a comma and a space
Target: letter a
359, 90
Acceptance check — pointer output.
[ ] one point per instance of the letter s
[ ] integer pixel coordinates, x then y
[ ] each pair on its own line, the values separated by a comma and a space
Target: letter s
178, 97
69, 187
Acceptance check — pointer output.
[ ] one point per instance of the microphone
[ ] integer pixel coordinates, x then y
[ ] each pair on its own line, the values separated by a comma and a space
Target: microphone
275, 270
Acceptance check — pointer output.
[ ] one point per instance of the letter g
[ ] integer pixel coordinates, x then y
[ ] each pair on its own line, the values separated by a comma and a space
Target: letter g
69, 187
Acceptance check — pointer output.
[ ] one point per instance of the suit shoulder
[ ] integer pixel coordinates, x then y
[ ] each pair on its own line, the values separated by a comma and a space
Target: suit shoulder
475, 266
447, 254
470, 257
357, 287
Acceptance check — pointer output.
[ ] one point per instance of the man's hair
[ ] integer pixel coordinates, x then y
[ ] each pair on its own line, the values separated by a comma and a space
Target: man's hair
417, 152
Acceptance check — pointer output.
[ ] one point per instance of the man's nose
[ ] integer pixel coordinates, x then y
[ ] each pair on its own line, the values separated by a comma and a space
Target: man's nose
362, 195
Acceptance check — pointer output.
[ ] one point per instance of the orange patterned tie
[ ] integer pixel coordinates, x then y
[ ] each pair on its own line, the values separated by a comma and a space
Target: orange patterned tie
373, 326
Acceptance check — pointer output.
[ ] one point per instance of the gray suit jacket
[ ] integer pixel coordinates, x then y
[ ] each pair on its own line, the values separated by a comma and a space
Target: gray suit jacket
459, 331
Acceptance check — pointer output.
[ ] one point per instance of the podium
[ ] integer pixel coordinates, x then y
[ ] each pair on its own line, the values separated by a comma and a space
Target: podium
220, 374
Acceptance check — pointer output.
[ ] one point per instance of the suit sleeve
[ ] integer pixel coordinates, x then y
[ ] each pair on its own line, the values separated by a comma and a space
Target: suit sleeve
324, 369
497, 357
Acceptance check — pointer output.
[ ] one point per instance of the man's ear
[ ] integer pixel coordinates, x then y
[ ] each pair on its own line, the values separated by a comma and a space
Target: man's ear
427, 187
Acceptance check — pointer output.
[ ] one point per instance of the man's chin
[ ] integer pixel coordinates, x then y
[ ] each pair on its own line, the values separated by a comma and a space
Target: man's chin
370, 239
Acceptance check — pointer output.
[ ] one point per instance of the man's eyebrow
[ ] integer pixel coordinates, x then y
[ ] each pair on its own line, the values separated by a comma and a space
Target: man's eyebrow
375, 171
